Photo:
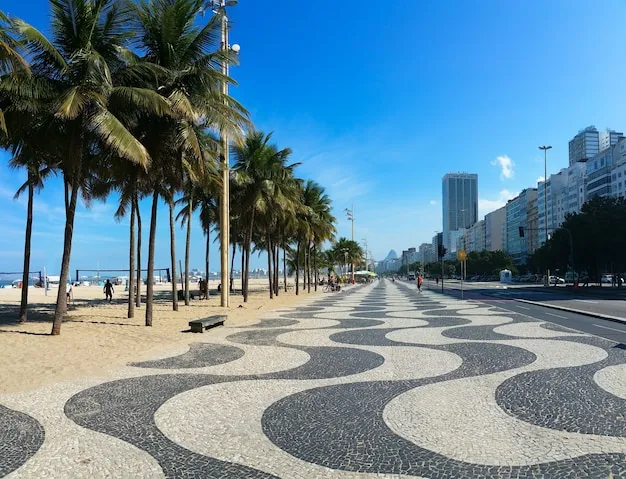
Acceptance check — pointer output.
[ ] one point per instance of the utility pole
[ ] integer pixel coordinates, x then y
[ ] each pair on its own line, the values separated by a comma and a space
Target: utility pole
350, 216
219, 8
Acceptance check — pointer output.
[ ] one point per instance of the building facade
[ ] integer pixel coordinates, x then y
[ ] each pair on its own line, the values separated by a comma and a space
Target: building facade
425, 253
584, 145
517, 212
475, 237
609, 138
459, 204
598, 170
494, 223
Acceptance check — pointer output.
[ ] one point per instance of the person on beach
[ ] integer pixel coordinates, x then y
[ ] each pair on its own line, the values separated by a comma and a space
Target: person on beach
68, 292
108, 291
420, 281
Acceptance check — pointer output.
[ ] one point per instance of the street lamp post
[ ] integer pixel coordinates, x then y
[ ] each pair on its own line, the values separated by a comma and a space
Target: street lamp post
545, 199
219, 8
350, 216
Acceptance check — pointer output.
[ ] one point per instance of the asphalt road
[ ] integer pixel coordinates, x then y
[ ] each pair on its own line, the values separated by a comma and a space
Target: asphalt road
608, 302
505, 298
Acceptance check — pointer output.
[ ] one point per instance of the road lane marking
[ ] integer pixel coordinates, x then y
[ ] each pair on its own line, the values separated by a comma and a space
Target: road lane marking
606, 327
522, 307
586, 301
556, 315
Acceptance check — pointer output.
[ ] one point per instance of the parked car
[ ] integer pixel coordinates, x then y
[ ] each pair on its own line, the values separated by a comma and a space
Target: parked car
556, 280
606, 278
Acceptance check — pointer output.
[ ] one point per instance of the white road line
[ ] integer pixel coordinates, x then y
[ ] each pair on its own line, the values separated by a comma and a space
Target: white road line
522, 307
586, 301
606, 327
556, 315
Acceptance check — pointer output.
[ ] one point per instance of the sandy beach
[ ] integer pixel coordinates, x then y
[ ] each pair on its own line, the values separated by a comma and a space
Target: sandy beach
98, 337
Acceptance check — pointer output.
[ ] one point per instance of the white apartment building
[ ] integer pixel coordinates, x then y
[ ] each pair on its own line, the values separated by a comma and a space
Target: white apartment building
495, 222
475, 237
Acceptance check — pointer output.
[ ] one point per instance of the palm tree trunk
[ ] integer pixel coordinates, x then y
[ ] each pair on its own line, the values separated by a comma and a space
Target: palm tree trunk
243, 266
151, 242
297, 268
284, 263
315, 274
131, 263
206, 260
173, 255
276, 263
188, 250
248, 248
308, 247
269, 265
232, 271
70, 213
138, 213
29, 229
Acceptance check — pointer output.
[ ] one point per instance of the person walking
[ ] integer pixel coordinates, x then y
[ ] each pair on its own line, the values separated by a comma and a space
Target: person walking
420, 281
108, 290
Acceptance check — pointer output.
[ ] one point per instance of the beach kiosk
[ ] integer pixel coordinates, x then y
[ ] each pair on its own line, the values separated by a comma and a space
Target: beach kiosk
506, 276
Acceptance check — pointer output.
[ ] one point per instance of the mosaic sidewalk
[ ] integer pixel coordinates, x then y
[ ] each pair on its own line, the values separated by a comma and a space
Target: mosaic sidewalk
379, 381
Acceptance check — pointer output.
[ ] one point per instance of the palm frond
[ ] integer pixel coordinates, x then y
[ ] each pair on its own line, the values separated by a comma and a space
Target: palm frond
115, 135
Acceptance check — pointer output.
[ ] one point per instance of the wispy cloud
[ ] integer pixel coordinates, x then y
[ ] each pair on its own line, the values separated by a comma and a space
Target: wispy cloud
433, 202
540, 179
486, 205
506, 166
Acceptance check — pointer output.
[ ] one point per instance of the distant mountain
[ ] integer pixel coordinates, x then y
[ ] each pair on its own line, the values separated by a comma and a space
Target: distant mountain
391, 255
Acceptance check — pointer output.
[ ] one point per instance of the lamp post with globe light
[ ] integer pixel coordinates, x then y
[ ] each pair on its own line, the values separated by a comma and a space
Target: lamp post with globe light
219, 8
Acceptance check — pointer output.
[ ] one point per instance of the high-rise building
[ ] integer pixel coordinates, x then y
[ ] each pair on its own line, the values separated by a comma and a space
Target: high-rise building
475, 237
608, 138
459, 204
494, 223
598, 171
584, 145
425, 253
518, 211
437, 241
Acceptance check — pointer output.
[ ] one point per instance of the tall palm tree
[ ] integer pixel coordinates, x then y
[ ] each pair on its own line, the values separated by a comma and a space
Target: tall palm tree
266, 186
169, 35
72, 77
37, 171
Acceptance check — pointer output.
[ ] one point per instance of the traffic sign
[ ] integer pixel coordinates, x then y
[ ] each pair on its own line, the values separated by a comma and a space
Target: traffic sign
461, 255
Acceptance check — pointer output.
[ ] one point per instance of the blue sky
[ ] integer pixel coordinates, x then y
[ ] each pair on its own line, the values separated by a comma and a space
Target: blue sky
379, 101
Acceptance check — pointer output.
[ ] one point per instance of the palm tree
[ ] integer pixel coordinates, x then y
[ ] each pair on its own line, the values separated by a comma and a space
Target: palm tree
347, 251
265, 186
37, 171
189, 56
72, 78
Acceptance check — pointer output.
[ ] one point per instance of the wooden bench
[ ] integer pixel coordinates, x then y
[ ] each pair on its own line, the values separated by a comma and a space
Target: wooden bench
199, 325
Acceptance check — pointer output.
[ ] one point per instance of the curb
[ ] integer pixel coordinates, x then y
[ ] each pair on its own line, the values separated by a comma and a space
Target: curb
615, 319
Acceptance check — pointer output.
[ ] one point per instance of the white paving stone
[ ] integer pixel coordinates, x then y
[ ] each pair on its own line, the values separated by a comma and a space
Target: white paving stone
461, 418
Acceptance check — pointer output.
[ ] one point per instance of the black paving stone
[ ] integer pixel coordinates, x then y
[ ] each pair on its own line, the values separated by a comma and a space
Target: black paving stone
21, 436
199, 355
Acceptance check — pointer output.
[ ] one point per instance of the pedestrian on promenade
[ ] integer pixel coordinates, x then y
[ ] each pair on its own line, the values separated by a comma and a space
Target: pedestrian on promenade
108, 290
420, 281
437, 280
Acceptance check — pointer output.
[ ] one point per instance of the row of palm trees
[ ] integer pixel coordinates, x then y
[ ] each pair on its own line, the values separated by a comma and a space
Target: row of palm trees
126, 97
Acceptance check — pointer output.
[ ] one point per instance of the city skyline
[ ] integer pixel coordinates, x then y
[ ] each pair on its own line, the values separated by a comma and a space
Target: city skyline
484, 113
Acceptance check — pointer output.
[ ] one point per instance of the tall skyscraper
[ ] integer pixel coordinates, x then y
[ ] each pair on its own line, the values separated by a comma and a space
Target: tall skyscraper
459, 203
585, 145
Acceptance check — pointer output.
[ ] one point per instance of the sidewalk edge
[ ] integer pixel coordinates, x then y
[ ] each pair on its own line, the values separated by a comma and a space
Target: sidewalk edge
615, 319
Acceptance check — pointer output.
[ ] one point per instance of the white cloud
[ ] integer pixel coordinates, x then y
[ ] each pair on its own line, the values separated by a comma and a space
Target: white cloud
540, 179
433, 202
487, 205
506, 165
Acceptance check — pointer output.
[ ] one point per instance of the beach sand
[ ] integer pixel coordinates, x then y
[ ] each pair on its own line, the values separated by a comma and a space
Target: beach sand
98, 337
